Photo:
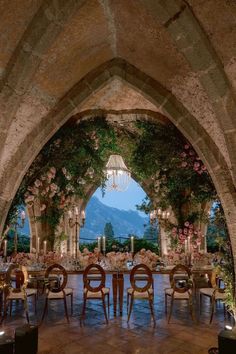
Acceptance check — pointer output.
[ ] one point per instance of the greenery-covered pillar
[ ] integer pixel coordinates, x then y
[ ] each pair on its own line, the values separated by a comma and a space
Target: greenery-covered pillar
165, 244
36, 232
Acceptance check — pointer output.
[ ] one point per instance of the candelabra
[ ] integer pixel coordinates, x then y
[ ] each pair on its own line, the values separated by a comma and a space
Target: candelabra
17, 225
76, 221
159, 214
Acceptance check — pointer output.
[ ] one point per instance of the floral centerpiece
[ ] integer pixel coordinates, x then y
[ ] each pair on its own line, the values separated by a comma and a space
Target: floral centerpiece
50, 258
24, 259
118, 260
146, 257
86, 257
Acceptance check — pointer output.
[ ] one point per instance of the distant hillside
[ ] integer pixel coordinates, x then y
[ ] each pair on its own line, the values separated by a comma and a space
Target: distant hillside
123, 222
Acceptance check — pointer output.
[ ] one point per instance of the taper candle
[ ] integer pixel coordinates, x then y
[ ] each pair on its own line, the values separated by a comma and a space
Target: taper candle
5, 248
104, 243
132, 244
38, 245
45, 247
99, 244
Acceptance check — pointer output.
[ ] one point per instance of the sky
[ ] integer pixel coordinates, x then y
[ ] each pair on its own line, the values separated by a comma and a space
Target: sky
123, 200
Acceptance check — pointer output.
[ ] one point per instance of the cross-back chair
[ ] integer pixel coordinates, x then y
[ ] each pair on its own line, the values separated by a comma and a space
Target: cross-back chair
95, 273
181, 289
20, 292
139, 273
56, 290
215, 293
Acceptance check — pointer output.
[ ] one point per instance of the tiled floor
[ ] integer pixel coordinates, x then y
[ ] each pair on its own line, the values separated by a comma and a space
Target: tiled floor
181, 336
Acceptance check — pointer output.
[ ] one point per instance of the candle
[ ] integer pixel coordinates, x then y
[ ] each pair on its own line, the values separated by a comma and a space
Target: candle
198, 248
104, 243
159, 211
23, 215
45, 247
70, 214
99, 244
185, 246
82, 214
76, 211
38, 245
189, 246
5, 248
132, 244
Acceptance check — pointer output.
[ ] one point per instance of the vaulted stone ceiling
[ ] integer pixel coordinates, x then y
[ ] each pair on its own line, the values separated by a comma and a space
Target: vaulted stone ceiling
62, 57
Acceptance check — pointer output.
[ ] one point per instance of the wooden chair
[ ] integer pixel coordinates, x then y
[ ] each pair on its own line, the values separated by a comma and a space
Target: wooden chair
138, 273
215, 293
57, 290
95, 273
20, 292
180, 289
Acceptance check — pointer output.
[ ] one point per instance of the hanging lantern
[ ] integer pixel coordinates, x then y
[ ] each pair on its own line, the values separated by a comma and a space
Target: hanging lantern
117, 174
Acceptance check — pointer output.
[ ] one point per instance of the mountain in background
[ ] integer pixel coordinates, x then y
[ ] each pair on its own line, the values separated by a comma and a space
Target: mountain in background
124, 222
98, 214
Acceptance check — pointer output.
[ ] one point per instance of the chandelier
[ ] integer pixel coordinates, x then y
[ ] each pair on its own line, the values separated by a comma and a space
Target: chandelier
117, 174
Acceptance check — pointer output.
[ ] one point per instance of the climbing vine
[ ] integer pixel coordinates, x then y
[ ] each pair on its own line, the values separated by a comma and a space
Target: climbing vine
177, 175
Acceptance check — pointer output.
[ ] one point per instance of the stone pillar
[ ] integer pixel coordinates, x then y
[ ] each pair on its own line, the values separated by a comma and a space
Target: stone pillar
164, 241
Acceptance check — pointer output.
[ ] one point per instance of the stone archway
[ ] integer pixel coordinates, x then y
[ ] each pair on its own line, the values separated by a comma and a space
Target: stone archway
154, 92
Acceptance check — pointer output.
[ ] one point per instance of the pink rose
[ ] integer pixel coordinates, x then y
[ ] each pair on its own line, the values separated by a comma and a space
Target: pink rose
43, 207
186, 224
186, 146
37, 183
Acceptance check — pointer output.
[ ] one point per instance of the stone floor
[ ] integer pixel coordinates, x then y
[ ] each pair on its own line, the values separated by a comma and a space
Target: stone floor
181, 336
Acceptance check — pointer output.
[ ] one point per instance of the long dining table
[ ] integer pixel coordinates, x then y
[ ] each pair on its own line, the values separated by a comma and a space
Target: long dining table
118, 280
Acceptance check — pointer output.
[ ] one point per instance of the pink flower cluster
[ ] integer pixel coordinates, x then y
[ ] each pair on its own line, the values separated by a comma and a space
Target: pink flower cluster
190, 159
189, 234
86, 257
50, 258
45, 189
146, 257
24, 259
117, 260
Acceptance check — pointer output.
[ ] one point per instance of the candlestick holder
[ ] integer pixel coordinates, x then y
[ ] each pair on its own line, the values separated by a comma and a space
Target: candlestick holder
76, 221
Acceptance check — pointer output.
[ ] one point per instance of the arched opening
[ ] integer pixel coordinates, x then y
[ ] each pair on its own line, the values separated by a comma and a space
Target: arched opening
115, 215
155, 151
158, 95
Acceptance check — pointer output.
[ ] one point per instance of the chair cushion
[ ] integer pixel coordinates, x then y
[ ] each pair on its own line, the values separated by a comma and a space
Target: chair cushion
140, 295
177, 295
30, 291
60, 295
97, 294
209, 292
21, 295
16, 296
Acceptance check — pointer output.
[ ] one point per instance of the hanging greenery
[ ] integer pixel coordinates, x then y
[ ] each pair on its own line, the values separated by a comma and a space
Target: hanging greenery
177, 175
73, 159
157, 154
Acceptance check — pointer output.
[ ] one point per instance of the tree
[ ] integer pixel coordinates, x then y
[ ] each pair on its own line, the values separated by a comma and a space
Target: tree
150, 233
108, 231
